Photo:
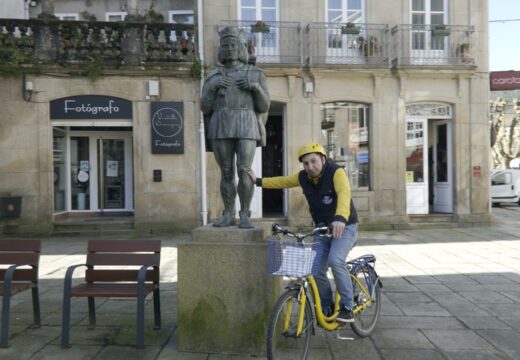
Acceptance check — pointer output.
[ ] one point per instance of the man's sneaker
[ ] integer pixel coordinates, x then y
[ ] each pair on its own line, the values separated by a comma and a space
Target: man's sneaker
328, 310
345, 315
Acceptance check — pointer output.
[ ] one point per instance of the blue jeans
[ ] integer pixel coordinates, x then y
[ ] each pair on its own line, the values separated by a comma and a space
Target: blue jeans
334, 255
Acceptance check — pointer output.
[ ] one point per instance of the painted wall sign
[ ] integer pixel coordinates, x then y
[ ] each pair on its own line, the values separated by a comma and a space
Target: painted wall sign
167, 127
91, 107
504, 80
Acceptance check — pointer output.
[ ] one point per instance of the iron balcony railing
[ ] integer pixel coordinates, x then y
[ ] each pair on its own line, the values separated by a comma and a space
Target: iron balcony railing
270, 42
436, 45
351, 44
77, 42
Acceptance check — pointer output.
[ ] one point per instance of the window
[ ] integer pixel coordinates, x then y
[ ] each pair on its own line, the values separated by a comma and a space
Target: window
343, 11
426, 13
501, 178
252, 10
266, 44
181, 17
67, 16
345, 131
338, 13
116, 16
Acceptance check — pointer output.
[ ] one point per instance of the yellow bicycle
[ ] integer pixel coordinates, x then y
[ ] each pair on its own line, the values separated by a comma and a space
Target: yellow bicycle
291, 324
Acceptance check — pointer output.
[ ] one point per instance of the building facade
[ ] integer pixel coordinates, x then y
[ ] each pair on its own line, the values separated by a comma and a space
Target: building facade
397, 91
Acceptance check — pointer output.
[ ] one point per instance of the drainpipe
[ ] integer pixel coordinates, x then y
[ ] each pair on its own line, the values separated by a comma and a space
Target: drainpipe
202, 140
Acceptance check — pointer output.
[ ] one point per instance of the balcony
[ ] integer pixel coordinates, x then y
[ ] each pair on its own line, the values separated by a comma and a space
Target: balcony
271, 42
28, 44
348, 44
433, 45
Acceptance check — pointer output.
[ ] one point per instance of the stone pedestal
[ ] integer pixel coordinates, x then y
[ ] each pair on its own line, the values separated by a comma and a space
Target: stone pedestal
225, 294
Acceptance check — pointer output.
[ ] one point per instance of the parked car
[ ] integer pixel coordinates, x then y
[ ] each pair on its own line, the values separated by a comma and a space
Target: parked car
505, 186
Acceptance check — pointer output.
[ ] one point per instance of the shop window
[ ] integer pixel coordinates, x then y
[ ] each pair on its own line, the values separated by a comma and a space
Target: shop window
345, 132
59, 169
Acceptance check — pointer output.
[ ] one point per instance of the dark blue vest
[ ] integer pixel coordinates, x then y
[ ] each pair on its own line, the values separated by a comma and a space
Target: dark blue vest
322, 197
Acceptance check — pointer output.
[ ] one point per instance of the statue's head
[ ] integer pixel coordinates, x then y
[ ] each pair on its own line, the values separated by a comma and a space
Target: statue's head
232, 45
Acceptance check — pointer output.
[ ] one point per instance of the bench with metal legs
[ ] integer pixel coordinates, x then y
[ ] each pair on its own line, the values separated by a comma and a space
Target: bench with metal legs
116, 268
19, 261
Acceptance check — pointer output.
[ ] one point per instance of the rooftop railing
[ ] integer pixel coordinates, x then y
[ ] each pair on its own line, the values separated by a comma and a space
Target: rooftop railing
271, 42
435, 45
38, 41
350, 44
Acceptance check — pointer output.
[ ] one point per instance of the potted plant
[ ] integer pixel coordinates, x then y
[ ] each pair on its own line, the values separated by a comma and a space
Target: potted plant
440, 30
370, 46
350, 29
463, 52
260, 27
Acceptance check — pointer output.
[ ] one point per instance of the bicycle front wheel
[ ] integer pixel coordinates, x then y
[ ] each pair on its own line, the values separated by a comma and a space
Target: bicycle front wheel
282, 339
365, 320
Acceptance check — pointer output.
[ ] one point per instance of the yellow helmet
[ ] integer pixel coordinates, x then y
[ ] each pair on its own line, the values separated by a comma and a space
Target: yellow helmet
311, 148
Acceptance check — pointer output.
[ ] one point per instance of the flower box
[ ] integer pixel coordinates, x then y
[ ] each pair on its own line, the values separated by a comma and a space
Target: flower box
441, 32
350, 30
260, 27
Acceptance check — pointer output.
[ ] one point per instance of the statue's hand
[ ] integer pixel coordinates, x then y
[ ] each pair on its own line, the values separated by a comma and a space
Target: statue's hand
223, 83
245, 84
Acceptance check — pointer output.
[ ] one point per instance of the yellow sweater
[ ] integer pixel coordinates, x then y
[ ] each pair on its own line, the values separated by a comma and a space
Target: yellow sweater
341, 186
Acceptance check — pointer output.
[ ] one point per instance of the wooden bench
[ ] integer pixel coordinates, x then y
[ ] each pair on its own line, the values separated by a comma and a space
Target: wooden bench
19, 261
116, 268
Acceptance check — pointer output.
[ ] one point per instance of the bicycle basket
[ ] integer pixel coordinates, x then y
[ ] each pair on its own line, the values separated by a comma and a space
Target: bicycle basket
293, 259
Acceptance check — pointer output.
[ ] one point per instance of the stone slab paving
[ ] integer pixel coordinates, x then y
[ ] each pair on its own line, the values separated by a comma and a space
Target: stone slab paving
448, 294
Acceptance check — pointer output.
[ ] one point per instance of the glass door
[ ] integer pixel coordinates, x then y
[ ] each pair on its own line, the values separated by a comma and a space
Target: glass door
111, 174
442, 183
428, 46
93, 170
80, 173
417, 166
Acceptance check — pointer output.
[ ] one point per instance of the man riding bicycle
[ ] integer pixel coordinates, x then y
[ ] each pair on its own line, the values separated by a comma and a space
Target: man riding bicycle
327, 190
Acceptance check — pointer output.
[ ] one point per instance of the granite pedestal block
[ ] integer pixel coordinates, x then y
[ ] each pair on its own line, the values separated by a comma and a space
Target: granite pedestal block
225, 294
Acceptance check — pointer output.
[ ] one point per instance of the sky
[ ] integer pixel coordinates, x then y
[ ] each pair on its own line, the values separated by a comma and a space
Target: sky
504, 49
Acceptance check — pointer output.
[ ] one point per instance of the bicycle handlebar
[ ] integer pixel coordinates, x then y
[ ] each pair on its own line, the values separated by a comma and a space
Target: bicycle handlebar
322, 230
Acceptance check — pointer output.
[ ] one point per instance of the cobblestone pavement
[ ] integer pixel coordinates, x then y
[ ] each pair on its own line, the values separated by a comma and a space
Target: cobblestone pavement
448, 294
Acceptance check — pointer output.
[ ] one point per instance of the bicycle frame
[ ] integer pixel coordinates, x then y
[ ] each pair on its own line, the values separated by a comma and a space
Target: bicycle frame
302, 284
327, 322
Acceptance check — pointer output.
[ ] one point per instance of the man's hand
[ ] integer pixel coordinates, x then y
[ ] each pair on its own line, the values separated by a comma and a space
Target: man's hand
252, 176
337, 229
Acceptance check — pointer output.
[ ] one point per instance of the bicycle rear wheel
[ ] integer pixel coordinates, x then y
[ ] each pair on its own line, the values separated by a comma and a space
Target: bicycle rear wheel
365, 320
282, 342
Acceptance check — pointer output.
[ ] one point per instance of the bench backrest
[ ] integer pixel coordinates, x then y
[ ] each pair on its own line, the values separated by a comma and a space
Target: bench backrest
20, 252
120, 260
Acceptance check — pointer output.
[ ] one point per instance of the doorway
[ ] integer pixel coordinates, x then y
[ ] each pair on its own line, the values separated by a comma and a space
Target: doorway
270, 161
429, 161
272, 165
93, 169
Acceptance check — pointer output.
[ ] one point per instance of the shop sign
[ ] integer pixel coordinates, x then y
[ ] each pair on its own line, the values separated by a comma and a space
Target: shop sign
167, 127
504, 80
91, 107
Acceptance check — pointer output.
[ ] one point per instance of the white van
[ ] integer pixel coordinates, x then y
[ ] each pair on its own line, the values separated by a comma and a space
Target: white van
505, 186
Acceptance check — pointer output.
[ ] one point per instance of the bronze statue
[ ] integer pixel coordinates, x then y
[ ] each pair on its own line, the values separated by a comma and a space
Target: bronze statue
235, 102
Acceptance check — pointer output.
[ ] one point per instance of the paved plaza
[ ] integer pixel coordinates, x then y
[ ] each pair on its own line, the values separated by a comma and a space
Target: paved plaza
448, 294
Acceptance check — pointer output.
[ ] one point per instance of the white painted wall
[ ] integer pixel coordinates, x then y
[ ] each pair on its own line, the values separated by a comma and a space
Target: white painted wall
13, 9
